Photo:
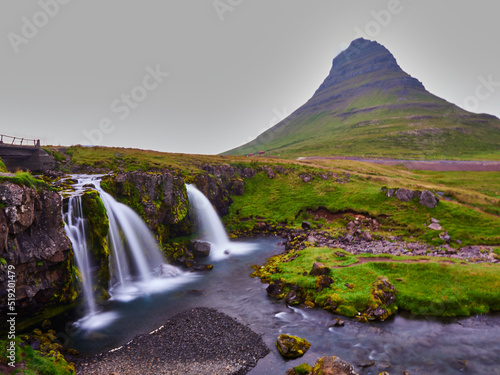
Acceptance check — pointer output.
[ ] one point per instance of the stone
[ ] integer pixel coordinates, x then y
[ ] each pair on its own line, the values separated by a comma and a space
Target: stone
428, 199
366, 236
291, 347
435, 226
306, 225
404, 195
319, 269
390, 193
434, 221
332, 366
323, 282
338, 323
275, 289
445, 236
201, 249
312, 239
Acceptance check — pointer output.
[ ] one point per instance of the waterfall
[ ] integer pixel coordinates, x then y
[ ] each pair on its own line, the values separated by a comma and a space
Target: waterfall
137, 266
210, 225
76, 230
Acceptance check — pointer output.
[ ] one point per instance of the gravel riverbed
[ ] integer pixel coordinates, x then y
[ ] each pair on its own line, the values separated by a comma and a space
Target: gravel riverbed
196, 341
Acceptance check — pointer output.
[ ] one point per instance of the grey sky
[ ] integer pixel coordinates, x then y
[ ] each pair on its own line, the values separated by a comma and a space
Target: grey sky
233, 71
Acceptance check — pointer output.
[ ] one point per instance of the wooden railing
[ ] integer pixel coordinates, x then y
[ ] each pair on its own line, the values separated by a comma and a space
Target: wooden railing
6, 139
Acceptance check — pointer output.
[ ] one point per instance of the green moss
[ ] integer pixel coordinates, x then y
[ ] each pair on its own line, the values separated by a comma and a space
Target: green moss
98, 225
26, 179
429, 285
34, 362
3, 168
303, 369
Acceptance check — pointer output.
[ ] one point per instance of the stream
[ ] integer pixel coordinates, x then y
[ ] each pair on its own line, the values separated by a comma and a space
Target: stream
417, 345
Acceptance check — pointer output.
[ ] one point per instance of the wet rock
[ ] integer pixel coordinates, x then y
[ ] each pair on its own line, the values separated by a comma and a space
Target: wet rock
364, 363
291, 347
275, 289
338, 323
333, 366
428, 199
201, 249
319, 269
302, 369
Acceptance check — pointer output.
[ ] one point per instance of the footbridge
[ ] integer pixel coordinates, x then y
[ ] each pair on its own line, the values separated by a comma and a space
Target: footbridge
24, 154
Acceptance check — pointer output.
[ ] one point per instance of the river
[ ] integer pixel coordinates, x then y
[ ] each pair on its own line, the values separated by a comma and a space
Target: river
418, 345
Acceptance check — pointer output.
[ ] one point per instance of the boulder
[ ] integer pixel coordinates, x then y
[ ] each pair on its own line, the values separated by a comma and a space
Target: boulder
201, 249
332, 366
319, 269
291, 347
405, 195
428, 199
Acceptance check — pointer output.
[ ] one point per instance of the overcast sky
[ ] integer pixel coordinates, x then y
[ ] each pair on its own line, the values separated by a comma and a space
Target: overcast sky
204, 76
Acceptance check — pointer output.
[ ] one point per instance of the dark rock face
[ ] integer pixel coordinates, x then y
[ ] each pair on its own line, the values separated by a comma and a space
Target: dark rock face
405, 195
160, 198
32, 239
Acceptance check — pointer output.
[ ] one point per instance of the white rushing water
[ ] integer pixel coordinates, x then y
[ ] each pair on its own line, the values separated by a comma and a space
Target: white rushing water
137, 266
211, 227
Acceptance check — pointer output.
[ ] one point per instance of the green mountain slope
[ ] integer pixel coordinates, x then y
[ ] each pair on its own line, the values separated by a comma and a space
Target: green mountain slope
368, 106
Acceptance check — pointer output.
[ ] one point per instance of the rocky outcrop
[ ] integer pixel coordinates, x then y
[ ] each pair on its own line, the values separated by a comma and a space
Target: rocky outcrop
291, 347
425, 198
332, 366
32, 240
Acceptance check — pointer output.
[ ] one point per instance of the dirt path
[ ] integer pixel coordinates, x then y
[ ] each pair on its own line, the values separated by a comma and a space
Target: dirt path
424, 165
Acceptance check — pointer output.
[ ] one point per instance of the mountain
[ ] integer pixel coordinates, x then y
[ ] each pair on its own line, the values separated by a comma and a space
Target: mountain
368, 106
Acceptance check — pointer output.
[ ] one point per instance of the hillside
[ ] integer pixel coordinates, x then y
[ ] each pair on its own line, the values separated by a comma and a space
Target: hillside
368, 106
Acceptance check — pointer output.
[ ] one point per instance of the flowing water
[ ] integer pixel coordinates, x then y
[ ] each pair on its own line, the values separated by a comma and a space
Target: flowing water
418, 345
137, 266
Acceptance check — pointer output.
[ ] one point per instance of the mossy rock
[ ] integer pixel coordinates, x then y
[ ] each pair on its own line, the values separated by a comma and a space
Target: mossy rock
98, 227
303, 369
291, 347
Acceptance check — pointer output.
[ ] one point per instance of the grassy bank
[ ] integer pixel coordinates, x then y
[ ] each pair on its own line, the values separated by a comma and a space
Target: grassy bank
424, 285
286, 199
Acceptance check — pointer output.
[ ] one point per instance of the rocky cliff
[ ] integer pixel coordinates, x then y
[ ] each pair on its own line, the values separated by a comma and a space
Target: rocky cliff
32, 239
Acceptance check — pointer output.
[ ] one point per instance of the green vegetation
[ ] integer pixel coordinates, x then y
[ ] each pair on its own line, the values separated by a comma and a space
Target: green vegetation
425, 285
26, 179
379, 112
127, 159
33, 362
287, 200
98, 224
3, 168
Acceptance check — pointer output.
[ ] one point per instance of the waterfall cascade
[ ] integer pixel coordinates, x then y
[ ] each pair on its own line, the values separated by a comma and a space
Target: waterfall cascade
137, 266
210, 225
